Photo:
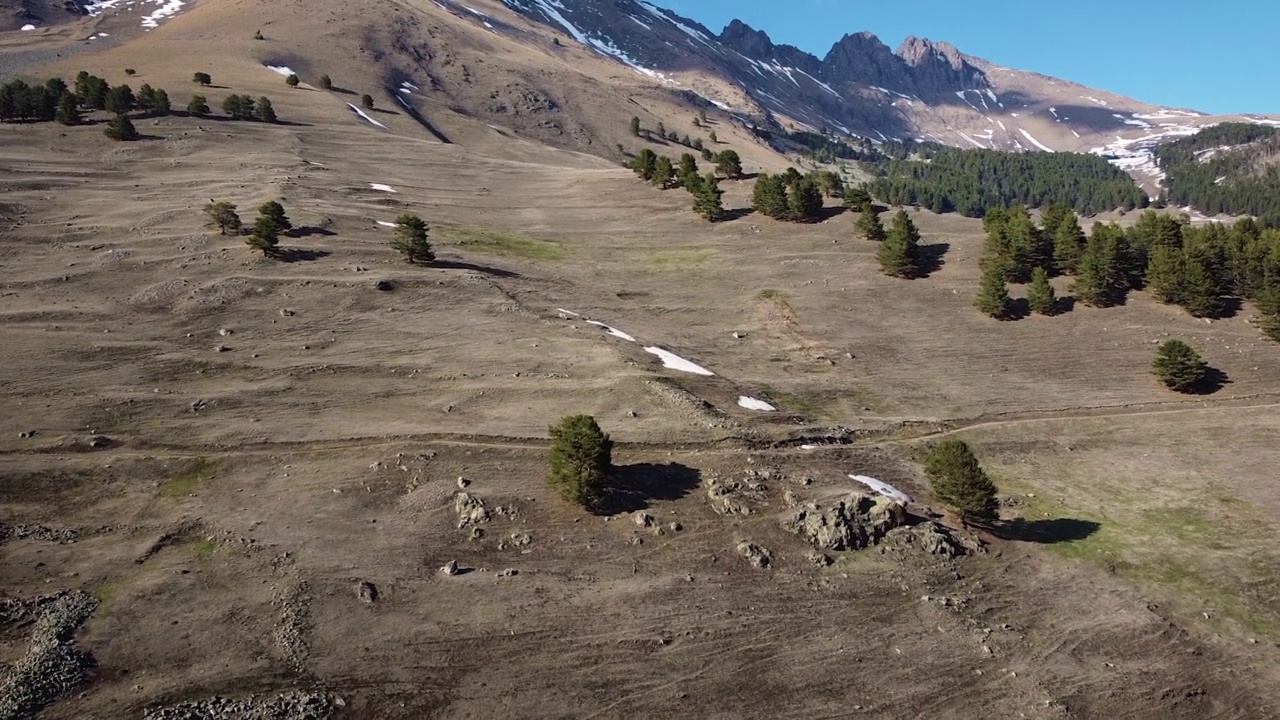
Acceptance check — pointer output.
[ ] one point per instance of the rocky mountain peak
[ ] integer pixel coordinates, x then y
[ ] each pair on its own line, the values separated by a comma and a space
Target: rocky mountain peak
746, 39
940, 67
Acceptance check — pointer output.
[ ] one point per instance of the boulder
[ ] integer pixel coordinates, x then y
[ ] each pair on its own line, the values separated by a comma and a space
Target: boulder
366, 591
757, 555
856, 522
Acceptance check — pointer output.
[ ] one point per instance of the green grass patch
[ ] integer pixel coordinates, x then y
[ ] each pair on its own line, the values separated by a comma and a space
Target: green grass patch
190, 478
205, 549
105, 593
668, 260
1191, 552
500, 243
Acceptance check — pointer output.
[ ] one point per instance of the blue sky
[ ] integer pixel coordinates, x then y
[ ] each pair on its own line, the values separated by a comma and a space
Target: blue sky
1218, 57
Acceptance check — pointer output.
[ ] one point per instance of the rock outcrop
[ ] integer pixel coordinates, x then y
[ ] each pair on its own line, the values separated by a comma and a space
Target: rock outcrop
856, 522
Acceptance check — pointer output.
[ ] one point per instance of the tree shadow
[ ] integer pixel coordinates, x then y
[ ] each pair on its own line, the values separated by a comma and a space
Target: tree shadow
486, 269
341, 91
384, 111
1065, 305
1017, 309
929, 258
1214, 380
1045, 532
309, 230
291, 255
735, 214
636, 487
1231, 307
830, 211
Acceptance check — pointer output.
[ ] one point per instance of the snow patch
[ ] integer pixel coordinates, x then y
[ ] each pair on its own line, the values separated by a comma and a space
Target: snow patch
683, 28
365, 115
384, 223
1103, 103
381, 187
675, 362
284, 70
28, 28
751, 403
883, 488
164, 9
1034, 141
612, 331
167, 10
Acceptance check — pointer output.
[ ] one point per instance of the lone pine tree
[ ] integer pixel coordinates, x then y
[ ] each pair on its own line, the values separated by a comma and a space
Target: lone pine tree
1179, 366
706, 198
411, 241
581, 459
222, 215
957, 479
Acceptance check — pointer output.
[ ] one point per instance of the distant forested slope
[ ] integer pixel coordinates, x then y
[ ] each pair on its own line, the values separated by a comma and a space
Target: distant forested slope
1232, 168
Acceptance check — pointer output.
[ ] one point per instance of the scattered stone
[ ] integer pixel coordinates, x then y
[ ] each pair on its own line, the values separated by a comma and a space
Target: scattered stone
643, 519
758, 556
509, 572
385, 286
463, 483
450, 568
299, 705
26, 434
224, 331
933, 539
97, 442
675, 527
222, 348
198, 405
790, 499
366, 591
43, 533
819, 559
286, 312
854, 523
738, 335
52, 666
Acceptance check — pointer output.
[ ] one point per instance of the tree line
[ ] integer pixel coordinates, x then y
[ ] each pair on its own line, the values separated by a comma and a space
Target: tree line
970, 182
54, 100
660, 171
1228, 168
672, 136
1203, 268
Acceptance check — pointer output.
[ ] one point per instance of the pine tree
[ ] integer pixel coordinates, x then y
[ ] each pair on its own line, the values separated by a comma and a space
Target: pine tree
664, 173
1179, 366
706, 201
869, 225
712, 137
411, 240
581, 459
199, 106
120, 128
1068, 244
293, 80
958, 481
266, 113
993, 293
69, 110
274, 210
688, 168
1269, 312
769, 196
1199, 290
366, 101
326, 82
804, 203
1100, 280
222, 215
161, 105
265, 236
1164, 274
120, 100
146, 98
635, 126
856, 196
202, 79
1040, 294
898, 254
662, 130
645, 164
729, 164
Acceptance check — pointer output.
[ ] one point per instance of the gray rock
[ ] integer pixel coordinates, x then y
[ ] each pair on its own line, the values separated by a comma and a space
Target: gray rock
471, 510
643, 519
366, 591
450, 568
854, 523
758, 556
